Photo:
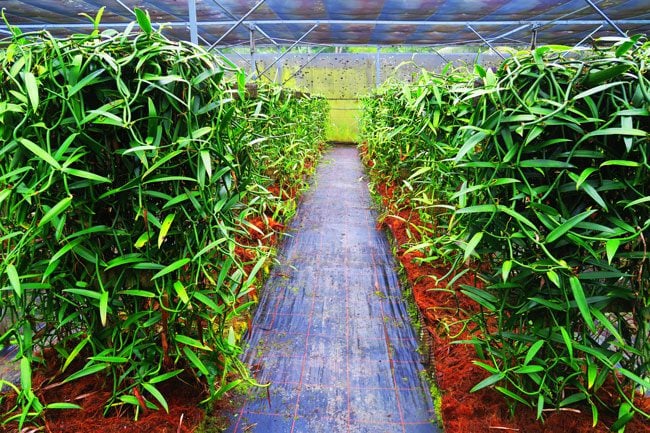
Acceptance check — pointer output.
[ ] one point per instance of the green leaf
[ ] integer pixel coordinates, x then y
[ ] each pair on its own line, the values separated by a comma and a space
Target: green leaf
61, 206
471, 245
528, 369
62, 406
638, 201
25, 373
592, 372
171, 268
488, 381
40, 152
142, 240
470, 144
207, 301
611, 247
581, 301
189, 341
75, 352
553, 277
164, 228
644, 383
88, 80
512, 395
86, 371
625, 415
532, 351
181, 292
110, 359
544, 163
195, 361
32, 90
583, 176
567, 225
596, 89
573, 398
484, 298
505, 270
103, 306
614, 132
14, 279
595, 77
143, 20
85, 175
604, 321
166, 376
207, 162
620, 163
157, 395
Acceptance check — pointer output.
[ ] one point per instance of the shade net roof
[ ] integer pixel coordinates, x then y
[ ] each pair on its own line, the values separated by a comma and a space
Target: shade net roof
350, 22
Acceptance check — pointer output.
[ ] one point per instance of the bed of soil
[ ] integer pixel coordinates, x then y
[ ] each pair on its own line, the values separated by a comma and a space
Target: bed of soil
455, 374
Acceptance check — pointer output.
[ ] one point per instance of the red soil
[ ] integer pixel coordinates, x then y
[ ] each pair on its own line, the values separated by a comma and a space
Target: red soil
455, 374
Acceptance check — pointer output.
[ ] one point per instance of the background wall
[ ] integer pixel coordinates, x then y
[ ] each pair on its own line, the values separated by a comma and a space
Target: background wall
344, 78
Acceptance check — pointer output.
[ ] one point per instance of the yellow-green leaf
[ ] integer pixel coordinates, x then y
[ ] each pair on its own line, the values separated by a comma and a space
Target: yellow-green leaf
164, 228
14, 279
32, 89
181, 292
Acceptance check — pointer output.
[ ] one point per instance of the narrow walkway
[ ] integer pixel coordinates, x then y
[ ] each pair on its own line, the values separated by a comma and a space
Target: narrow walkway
331, 333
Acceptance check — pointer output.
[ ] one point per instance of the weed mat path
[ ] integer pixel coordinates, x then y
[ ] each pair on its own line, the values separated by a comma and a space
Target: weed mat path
331, 334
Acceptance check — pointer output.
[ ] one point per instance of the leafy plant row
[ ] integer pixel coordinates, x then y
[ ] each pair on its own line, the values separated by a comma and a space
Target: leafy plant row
129, 167
536, 175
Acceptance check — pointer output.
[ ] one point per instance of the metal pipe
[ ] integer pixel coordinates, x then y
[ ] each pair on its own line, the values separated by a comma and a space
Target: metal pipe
377, 68
304, 65
191, 12
588, 36
263, 33
486, 42
636, 22
289, 49
234, 26
604, 15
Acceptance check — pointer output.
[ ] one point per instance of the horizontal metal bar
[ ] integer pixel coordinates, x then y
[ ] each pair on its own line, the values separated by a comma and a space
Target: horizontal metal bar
230, 23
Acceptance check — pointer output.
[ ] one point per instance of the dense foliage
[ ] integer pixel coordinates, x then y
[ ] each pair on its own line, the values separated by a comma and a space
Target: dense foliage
538, 174
129, 165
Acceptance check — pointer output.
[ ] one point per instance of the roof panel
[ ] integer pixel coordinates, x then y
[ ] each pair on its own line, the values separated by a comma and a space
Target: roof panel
375, 22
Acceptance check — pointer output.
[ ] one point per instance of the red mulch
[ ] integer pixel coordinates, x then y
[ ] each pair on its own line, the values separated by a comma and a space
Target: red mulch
92, 393
485, 410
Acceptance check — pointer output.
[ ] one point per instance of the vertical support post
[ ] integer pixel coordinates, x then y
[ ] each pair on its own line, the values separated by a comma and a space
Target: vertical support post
378, 67
191, 11
251, 28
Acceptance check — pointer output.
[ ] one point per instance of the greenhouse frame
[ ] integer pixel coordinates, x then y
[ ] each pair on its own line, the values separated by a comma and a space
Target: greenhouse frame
355, 216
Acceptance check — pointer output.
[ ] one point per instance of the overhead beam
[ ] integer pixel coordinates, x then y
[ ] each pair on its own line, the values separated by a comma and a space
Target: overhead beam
231, 23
